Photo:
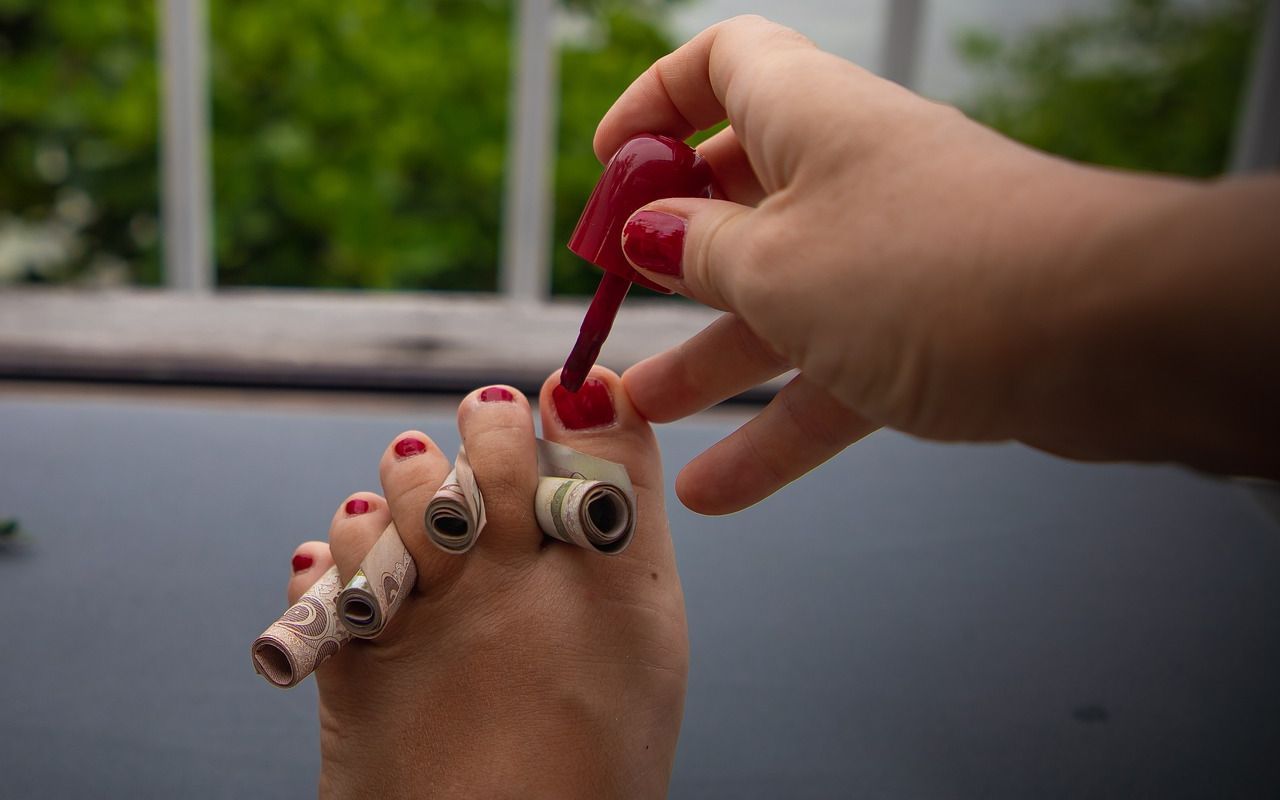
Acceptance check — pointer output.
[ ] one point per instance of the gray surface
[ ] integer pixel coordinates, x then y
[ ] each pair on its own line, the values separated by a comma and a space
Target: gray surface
911, 621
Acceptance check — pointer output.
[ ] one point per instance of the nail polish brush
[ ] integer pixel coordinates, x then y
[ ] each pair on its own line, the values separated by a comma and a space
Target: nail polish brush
647, 167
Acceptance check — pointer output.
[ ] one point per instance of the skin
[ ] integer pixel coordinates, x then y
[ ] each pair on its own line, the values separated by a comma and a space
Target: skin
526, 667
923, 273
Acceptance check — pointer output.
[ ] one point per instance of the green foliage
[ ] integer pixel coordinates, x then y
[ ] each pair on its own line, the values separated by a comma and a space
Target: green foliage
359, 144
1149, 84
78, 131
354, 145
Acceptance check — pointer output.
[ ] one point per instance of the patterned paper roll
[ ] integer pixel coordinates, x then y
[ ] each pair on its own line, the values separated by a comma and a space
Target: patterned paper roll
455, 515
304, 636
374, 594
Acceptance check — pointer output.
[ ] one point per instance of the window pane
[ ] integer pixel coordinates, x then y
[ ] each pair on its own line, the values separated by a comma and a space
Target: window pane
1139, 84
78, 142
359, 144
851, 29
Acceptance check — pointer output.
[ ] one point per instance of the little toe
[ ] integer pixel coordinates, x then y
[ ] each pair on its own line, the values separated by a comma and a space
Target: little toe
496, 425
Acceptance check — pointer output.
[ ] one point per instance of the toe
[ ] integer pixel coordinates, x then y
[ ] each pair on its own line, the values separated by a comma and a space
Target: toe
599, 420
311, 560
356, 525
412, 469
496, 425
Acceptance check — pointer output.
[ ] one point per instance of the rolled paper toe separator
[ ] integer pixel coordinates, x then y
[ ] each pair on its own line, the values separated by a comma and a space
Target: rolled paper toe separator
305, 635
378, 589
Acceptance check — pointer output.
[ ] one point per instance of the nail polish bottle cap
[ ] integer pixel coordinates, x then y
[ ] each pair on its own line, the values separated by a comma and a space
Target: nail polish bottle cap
647, 167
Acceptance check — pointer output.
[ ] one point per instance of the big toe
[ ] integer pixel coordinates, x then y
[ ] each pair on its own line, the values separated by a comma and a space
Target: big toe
600, 420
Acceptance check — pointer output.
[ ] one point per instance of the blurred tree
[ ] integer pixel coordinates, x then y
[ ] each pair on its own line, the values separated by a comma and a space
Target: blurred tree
1146, 84
77, 139
358, 145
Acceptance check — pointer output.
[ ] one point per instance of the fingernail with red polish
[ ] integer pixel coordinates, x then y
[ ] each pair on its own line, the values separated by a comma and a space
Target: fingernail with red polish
589, 407
655, 240
410, 447
357, 506
497, 394
301, 562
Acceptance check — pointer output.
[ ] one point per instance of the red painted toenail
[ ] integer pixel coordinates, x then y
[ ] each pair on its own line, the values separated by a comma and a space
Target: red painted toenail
589, 407
497, 394
302, 561
410, 447
357, 506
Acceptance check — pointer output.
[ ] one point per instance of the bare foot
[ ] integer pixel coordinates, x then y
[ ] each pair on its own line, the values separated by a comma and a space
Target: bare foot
526, 667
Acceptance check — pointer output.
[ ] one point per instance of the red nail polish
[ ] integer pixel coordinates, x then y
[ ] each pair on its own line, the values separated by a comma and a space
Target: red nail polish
589, 407
655, 240
497, 394
410, 447
646, 168
357, 506
302, 561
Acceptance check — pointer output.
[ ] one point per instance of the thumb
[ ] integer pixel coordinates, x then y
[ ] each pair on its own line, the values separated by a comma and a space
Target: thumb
691, 246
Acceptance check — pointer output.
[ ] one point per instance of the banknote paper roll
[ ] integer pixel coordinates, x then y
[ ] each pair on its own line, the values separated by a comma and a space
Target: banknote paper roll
583, 500
590, 514
303, 637
455, 515
380, 585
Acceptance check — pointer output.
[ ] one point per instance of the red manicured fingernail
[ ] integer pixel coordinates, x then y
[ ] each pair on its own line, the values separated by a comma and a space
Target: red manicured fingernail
357, 506
655, 240
302, 561
410, 447
497, 394
589, 407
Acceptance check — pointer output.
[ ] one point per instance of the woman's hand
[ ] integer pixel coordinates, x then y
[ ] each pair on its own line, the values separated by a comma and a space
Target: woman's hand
920, 271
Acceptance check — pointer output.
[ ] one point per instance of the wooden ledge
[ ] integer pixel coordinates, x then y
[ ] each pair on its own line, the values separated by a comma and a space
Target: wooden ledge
415, 342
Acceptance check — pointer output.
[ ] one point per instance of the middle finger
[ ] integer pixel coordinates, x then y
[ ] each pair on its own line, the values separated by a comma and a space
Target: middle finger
722, 360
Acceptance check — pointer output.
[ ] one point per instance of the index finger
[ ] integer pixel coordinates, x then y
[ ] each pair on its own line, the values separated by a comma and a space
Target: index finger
693, 87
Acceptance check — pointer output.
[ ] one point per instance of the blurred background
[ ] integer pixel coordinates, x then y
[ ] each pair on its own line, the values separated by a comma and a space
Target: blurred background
369, 146
243, 244
314, 184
